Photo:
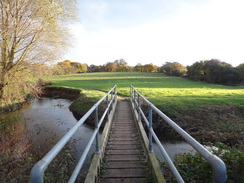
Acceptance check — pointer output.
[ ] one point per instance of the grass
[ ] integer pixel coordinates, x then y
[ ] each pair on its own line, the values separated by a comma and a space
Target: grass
157, 87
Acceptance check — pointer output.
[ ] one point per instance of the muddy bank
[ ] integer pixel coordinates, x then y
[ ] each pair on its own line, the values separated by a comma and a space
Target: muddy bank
10, 108
81, 105
16, 106
55, 92
208, 124
59, 92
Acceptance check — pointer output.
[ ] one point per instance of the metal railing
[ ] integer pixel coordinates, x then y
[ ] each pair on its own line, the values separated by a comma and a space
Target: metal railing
39, 168
218, 166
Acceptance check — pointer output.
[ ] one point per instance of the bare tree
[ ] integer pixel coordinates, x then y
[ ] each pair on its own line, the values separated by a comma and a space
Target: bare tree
31, 31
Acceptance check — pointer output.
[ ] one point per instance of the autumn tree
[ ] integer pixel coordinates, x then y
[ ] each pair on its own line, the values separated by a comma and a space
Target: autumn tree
138, 67
110, 67
40, 69
219, 72
213, 71
173, 69
122, 65
31, 31
95, 68
79, 67
92, 68
84, 68
65, 67
196, 71
149, 68
121, 62
69, 67
240, 71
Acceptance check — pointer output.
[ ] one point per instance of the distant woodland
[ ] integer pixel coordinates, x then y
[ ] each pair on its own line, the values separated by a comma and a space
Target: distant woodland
210, 71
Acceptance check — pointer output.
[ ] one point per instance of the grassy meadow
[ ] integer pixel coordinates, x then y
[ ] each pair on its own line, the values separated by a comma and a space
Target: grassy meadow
157, 87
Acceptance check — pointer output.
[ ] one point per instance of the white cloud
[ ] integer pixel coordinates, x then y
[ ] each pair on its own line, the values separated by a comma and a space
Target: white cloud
193, 33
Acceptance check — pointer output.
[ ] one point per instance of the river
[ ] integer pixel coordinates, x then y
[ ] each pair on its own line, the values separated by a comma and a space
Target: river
46, 120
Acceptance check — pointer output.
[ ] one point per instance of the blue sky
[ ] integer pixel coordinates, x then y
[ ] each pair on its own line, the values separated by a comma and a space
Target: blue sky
158, 31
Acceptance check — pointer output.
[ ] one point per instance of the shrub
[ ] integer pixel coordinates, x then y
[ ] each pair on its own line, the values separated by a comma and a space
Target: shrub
194, 168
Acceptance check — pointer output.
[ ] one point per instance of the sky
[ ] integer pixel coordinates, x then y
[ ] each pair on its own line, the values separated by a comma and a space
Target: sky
158, 31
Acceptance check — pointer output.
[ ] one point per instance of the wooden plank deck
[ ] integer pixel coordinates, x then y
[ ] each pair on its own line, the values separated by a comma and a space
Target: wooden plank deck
125, 159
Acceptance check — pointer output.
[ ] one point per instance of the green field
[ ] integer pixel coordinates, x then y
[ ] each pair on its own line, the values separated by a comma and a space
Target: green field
157, 87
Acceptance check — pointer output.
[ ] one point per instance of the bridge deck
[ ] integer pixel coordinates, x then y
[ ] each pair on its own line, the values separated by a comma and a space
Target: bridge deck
125, 159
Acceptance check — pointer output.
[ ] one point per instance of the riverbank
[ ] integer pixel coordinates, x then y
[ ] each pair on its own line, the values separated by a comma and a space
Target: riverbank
14, 106
208, 125
61, 92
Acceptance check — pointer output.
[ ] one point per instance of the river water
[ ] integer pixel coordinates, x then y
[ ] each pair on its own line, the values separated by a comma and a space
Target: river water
46, 120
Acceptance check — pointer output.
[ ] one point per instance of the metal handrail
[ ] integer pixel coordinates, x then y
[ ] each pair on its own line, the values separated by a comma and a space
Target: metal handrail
39, 168
218, 166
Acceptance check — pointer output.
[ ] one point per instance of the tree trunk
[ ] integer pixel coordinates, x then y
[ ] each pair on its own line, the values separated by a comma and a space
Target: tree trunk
3, 83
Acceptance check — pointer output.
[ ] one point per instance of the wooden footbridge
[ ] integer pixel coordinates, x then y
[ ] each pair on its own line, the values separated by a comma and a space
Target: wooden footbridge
125, 159
124, 151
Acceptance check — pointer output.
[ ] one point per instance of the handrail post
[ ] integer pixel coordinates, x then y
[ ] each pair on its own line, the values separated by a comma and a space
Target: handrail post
111, 95
139, 106
131, 91
134, 95
107, 107
115, 91
96, 126
150, 128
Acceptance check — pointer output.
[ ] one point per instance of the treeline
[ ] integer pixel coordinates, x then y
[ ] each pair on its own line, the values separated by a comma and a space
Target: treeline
69, 67
211, 71
215, 71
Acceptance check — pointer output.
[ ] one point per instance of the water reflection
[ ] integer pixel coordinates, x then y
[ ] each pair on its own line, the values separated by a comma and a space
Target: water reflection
172, 148
45, 122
